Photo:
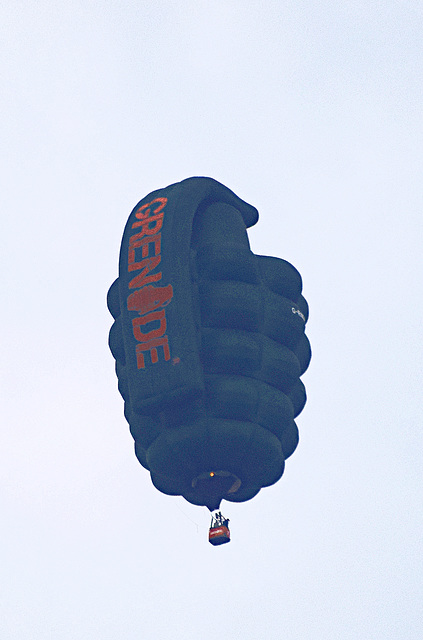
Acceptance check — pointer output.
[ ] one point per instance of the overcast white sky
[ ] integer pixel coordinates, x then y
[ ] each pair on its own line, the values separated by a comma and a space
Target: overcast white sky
312, 112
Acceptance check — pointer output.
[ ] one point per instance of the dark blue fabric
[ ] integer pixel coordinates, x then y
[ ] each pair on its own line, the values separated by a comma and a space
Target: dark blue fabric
209, 345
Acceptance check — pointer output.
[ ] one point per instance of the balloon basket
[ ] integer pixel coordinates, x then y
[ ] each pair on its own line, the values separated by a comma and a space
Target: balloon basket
219, 535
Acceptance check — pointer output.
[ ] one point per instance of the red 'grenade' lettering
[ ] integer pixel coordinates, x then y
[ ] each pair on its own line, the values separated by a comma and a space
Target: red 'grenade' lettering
148, 300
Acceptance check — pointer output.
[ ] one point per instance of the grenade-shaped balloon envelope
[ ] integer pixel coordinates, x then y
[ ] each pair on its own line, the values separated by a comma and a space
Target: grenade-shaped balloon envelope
209, 345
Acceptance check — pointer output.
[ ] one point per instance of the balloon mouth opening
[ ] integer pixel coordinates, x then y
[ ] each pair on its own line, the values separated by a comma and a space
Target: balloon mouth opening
216, 482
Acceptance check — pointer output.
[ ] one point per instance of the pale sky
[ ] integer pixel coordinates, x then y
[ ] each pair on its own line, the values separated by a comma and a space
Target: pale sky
311, 112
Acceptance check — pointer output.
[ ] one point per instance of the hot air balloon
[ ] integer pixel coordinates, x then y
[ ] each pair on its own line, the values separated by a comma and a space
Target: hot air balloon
209, 345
